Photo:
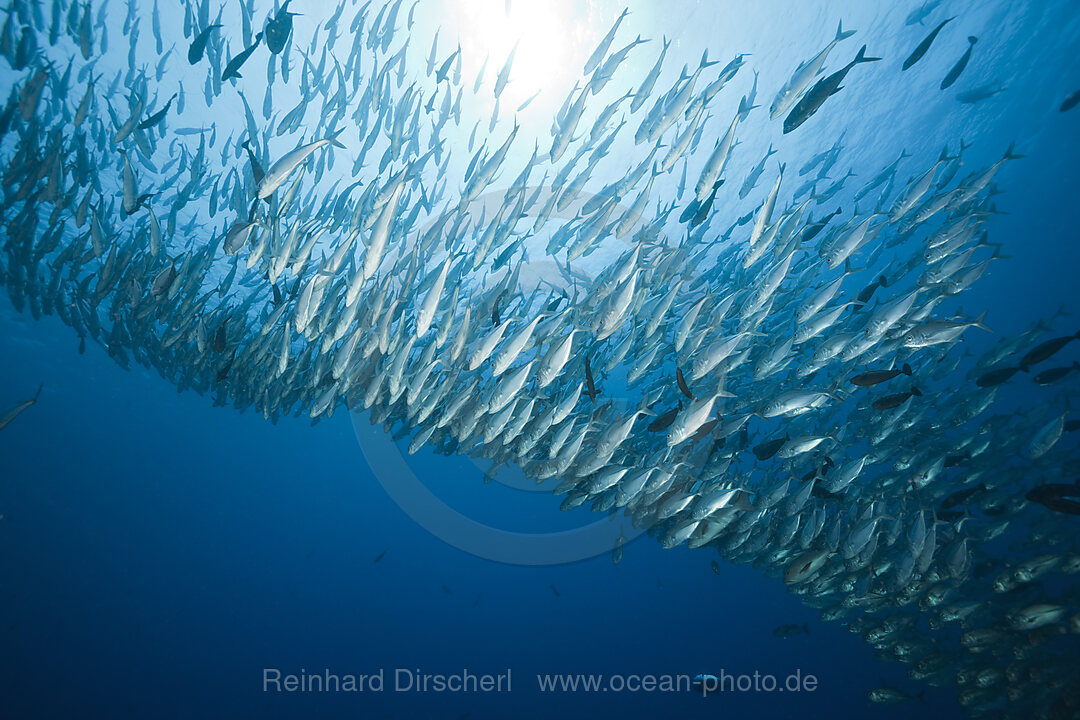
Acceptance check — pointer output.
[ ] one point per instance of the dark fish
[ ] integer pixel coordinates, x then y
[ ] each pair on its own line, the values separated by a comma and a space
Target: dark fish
1044, 350
1072, 425
746, 218
591, 386
380, 556
790, 630
140, 202
495, 319
1070, 102
1054, 374
767, 449
960, 64
444, 70
690, 211
958, 459
277, 295
715, 567
995, 377
704, 430
198, 45
278, 29
446, 590
219, 337
1059, 497
896, 400
819, 472
812, 101
922, 47
156, 117
555, 590
82, 345
868, 291
232, 69
681, 380
257, 173
703, 211
664, 421
823, 494
874, 377
13, 413
962, 496
813, 229
224, 372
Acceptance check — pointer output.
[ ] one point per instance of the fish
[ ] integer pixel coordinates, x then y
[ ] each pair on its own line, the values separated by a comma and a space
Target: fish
978, 94
790, 630
923, 46
1070, 102
15, 411
890, 696
232, 68
804, 75
279, 28
766, 450
365, 284
198, 44
280, 171
1059, 497
888, 402
996, 377
876, 377
1053, 375
602, 47
958, 68
1045, 350
816, 96
157, 117
916, 16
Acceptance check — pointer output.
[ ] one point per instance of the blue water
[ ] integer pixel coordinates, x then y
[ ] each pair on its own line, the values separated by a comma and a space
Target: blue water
158, 554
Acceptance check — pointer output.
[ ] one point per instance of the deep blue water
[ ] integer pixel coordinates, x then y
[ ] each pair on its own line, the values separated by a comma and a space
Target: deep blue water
159, 554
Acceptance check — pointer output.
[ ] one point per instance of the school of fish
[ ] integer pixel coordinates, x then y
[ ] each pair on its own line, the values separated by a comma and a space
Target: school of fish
801, 402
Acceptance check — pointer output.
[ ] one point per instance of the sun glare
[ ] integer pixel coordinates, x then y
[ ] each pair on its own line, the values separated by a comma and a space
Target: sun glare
545, 59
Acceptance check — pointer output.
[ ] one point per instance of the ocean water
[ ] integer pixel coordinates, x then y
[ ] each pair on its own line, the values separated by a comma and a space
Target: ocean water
166, 553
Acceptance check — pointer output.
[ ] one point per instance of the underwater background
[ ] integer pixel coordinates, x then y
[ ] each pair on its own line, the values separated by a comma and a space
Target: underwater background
158, 552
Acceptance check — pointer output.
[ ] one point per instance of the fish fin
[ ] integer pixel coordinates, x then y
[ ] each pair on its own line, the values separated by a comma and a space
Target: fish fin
1010, 155
332, 138
861, 57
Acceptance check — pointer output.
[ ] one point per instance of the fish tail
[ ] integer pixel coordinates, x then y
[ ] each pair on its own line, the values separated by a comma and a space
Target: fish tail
332, 138
840, 34
1010, 155
40, 388
861, 57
